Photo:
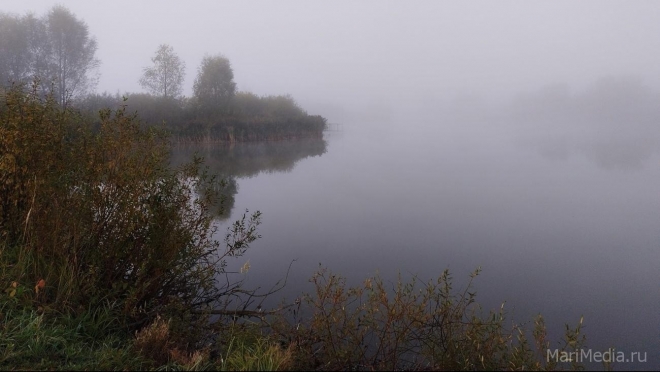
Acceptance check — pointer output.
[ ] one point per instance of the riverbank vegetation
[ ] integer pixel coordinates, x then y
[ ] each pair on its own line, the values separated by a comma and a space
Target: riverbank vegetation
246, 118
108, 261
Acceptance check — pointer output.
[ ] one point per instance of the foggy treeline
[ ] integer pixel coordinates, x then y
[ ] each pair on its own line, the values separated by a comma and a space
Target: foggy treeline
57, 53
247, 117
613, 122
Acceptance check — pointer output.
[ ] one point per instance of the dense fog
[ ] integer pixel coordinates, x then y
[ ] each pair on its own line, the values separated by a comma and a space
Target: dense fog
521, 136
379, 58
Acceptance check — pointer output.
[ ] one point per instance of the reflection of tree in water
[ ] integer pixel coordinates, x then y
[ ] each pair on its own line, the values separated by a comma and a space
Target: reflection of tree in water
227, 189
247, 159
613, 123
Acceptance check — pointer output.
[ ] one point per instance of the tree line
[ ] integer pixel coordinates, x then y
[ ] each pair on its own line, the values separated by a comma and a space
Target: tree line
57, 51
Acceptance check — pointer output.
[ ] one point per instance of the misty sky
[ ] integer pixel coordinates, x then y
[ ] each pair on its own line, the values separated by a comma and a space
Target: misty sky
377, 52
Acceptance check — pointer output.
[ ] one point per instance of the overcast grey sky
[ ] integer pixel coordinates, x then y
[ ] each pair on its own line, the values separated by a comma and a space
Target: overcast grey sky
376, 52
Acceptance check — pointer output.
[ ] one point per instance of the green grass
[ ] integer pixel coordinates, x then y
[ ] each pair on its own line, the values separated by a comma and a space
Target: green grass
245, 348
37, 340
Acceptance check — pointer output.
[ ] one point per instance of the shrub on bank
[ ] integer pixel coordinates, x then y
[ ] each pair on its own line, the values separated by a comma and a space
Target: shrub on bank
92, 217
411, 326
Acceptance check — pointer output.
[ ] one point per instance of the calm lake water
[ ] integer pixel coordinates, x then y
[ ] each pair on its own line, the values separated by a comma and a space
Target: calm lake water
563, 225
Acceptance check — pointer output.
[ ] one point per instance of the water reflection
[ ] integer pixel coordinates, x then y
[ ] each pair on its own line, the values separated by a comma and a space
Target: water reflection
240, 160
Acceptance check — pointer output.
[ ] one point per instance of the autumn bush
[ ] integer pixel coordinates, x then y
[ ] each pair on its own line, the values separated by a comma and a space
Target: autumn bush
411, 325
92, 216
